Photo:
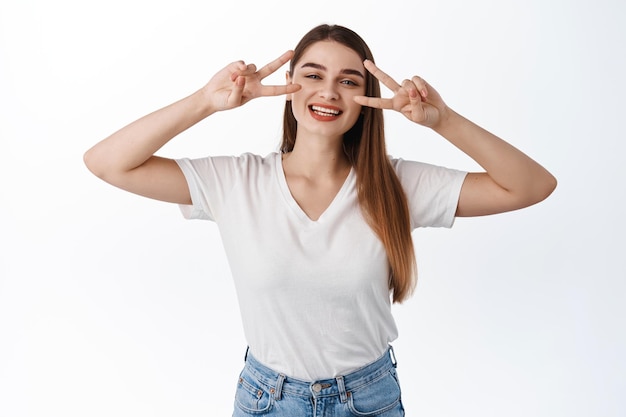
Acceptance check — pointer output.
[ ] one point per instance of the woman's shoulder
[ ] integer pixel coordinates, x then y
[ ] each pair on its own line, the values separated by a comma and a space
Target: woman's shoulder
401, 164
244, 160
249, 161
409, 170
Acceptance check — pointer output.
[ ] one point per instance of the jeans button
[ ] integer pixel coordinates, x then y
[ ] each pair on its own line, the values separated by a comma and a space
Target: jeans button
317, 387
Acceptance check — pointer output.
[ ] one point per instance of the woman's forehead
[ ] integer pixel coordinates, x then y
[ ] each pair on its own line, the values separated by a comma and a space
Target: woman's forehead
330, 54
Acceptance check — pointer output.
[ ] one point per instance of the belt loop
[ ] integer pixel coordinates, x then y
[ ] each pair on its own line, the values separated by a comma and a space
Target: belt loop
392, 354
343, 395
245, 357
279, 387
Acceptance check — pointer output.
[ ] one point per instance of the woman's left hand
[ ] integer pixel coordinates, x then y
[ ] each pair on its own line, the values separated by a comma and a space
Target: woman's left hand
414, 98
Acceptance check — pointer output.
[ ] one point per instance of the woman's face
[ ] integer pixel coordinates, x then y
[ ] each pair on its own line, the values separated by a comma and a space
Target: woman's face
330, 74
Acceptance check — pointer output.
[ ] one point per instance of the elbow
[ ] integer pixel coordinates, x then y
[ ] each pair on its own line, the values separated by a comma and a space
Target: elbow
90, 162
94, 163
552, 185
548, 186
542, 189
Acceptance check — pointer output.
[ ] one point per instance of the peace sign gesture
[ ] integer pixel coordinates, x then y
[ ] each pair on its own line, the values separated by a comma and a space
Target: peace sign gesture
414, 98
238, 83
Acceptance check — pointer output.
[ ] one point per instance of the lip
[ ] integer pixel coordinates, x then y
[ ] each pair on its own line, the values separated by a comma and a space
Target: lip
324, 112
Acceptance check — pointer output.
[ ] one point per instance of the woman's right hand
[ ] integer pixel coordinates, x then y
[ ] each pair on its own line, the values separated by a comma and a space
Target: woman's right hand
238, 83
126, 158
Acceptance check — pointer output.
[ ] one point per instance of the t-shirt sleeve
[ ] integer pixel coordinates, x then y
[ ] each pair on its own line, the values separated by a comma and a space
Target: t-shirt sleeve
209, 180
432, 192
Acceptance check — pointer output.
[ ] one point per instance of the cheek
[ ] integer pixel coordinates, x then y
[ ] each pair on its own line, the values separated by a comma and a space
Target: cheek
356, 108
355, 116
298, 106
300, 95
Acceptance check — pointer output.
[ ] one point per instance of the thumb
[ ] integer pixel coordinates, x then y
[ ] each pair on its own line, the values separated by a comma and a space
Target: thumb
236, 94
417, 107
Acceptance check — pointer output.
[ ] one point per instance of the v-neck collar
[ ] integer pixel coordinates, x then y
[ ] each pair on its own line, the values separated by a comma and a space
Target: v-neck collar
293, 204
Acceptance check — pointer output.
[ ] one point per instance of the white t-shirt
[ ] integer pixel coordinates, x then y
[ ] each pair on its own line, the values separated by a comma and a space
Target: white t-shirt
313, 295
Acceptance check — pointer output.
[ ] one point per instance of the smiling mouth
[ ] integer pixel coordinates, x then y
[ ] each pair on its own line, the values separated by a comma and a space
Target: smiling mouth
324, 111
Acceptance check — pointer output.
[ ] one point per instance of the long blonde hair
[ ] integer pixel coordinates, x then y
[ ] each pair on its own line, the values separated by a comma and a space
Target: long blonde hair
381, 197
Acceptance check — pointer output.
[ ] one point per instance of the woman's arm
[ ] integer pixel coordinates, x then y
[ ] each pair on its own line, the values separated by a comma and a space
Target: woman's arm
126, 158
512, 179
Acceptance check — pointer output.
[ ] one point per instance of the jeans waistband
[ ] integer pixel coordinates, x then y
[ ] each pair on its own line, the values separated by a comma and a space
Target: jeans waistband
278, 383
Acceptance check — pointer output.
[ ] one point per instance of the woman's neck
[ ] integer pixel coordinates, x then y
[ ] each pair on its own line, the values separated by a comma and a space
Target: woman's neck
316, 157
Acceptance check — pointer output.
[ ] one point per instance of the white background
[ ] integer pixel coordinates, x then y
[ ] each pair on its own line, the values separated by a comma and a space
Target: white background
113, 305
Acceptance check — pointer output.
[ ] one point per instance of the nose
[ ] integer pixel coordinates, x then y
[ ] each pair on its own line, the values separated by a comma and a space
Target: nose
329, 91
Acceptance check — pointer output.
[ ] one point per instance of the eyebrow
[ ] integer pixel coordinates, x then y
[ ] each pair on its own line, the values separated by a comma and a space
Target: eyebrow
347, 71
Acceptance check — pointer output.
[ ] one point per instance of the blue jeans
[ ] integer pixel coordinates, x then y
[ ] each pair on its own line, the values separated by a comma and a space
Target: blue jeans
370, 391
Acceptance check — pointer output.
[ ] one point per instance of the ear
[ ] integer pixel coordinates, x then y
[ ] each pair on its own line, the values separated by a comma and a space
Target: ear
288, 81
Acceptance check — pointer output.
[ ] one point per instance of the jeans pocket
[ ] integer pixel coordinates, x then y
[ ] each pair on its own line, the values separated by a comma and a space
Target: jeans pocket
377, 397
252, 397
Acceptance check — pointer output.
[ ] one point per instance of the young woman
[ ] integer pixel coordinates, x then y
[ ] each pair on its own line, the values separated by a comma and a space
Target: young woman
318, 235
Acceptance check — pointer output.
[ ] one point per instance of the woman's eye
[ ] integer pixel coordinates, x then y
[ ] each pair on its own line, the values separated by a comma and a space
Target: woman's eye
349, 82
313, 77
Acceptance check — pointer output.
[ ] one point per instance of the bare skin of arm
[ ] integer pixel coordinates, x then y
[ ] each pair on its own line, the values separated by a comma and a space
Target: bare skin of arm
126, 158
512, 180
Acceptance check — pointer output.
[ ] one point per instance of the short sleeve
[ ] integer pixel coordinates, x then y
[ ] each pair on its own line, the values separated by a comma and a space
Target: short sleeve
209, 180
432, 192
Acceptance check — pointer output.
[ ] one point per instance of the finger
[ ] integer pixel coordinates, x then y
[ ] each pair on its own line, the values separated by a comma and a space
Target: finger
412, 90
235, 68
414, 109
237, 92
275, 64
381, 76
277, 90
250, 69
421, 85
415, 106
238, 65
243, 70
376, 102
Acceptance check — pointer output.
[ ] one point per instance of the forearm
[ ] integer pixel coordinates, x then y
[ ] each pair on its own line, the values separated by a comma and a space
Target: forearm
506, 165
134, 144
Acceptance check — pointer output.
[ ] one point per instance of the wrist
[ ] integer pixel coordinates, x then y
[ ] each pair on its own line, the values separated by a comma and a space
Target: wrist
447, 119
202, 103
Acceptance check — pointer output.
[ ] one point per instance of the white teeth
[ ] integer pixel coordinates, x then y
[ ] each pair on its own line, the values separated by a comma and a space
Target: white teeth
324, 111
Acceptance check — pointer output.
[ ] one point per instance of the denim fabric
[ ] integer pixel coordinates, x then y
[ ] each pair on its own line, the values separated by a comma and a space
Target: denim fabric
370, 391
